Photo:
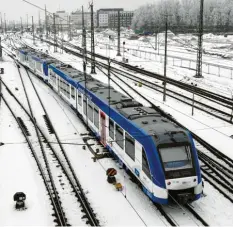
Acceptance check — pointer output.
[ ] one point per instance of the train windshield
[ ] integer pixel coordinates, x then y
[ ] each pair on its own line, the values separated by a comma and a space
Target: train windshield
175, 158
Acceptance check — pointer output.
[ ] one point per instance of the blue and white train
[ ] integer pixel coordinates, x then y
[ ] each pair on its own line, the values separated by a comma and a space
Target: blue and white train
160, 155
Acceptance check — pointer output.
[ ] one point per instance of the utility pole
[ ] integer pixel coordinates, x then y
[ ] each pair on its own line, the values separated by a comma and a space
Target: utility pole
33, 32
62, 37
1, 24
85, 63
119, 35
2, 70
54, 30
0, 48
109, 91
92, 41
13, 26
156, 39
46, 23
165, 61
21, 25
83, 26
39, 24
70, 34
200, 42
27, 22
5, 23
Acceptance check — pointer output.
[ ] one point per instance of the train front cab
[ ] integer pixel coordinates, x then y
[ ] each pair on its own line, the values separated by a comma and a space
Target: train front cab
182, 172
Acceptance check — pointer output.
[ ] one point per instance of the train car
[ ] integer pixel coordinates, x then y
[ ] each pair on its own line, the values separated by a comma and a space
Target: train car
38, 62
160, 155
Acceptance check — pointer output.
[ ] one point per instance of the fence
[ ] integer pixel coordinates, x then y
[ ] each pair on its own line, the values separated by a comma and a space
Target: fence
207, 67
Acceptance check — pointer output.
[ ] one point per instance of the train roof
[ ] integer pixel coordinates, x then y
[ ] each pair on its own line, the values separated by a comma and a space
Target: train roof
38, 56
151, 121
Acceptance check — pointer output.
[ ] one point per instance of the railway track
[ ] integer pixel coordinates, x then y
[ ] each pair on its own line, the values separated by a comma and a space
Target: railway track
185, 86
64, 175
178, 215
204, 144
186, 99
218, 173
223, 100
45, 171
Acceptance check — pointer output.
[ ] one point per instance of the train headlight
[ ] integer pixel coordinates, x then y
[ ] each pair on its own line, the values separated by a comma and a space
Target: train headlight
194, 180
168, 183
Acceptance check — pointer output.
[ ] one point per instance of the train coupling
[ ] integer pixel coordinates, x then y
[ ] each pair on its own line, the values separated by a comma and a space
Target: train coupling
185, 198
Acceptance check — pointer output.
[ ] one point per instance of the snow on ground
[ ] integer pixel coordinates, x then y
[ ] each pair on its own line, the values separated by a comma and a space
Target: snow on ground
201, 124
18, 172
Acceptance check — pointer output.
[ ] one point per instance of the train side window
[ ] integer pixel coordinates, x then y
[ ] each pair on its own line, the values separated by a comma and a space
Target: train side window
72, 92
84, 105
90, 110
79, 98
145, 165
129, 146
119, 136
111, 128
96, 116
68, 90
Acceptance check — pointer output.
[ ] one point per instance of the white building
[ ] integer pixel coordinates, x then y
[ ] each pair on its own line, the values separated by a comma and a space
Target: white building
62, 18
76, 19
103, 16
103, 20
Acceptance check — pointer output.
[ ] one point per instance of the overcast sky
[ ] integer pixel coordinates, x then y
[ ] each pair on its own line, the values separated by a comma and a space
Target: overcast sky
14, 9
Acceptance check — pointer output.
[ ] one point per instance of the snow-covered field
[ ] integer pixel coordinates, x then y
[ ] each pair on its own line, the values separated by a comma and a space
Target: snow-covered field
131, 206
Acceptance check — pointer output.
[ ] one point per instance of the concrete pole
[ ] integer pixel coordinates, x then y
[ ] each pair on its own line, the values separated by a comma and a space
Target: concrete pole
1, 23
119, 35
165, 62
21, 25
0, 48
33, 32
92, 41
70, 33
55, 37
27, 22
5, 23
46, 23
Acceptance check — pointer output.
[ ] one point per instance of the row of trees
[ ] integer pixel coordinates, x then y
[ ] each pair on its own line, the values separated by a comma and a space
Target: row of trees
184, 13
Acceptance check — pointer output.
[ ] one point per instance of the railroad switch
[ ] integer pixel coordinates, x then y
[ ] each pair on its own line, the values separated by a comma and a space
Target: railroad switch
20, 198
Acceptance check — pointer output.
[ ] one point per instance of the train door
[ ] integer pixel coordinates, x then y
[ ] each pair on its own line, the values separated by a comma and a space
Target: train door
103, 128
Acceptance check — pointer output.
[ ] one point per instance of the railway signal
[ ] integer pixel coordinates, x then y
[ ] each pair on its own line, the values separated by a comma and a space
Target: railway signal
19, 197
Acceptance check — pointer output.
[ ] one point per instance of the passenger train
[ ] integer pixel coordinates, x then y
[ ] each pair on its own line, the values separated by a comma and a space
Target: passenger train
160, 155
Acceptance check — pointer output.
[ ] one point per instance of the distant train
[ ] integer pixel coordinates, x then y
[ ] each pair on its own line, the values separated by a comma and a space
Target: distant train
159, 154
